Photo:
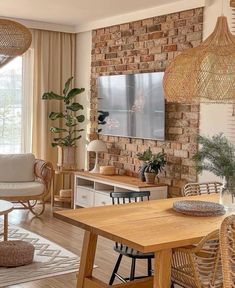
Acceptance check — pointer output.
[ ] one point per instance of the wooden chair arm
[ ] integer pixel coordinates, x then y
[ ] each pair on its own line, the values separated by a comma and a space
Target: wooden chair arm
44, 172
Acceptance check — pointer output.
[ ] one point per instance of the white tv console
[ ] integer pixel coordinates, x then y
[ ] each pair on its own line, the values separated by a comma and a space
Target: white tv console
91, 189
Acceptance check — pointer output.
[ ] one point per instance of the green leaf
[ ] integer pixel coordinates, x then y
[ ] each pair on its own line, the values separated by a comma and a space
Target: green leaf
66, 86
52, 96
75, 91
75, 107
57, 130
54, 144
80, 118
55, 115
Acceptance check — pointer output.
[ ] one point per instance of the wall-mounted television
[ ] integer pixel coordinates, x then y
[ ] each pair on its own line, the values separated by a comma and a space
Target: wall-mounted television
132, 105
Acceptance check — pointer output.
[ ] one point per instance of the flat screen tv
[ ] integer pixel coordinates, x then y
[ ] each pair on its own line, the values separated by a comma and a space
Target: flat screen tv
132, 105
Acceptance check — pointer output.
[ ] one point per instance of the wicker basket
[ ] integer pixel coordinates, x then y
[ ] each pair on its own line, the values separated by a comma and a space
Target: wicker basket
16, 253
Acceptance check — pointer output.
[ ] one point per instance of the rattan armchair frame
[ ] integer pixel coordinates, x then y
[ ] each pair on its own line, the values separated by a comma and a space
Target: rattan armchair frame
198, 266
194, 189
227, 246
43, 172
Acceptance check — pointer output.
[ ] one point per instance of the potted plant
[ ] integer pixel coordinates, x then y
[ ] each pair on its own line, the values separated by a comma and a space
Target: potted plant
144, 157
154, 166
217, 155
69, 118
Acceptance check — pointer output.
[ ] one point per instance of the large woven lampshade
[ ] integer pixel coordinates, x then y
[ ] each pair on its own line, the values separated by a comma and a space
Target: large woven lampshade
205, 73
15, 39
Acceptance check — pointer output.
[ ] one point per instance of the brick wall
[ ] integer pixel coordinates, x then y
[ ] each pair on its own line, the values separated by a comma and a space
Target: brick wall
147, 46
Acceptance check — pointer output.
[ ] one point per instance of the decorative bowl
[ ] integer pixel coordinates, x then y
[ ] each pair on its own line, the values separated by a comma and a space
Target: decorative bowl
199, 208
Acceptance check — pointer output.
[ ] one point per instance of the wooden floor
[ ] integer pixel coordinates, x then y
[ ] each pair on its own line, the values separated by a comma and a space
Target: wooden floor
71, 238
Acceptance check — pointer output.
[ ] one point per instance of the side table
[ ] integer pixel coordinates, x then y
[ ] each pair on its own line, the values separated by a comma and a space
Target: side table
5, 208
66, 182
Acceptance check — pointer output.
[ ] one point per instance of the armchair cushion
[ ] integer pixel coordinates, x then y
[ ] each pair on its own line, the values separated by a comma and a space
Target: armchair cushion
21, 189
17, 167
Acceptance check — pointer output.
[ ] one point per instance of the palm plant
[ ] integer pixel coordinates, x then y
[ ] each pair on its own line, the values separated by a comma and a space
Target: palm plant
216, 155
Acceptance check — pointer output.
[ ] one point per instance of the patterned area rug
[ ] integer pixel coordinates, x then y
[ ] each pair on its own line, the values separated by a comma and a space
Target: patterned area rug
49, 259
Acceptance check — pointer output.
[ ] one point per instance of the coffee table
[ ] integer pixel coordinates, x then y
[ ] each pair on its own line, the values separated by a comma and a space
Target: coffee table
5, 208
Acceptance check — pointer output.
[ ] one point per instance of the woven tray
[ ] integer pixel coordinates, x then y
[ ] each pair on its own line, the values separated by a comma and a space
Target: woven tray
199, 208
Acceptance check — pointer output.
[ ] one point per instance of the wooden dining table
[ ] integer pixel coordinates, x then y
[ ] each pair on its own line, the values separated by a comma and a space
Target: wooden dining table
151, 226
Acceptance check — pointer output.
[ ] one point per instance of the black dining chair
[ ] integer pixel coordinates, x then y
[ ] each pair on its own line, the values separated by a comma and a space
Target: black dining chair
125, 198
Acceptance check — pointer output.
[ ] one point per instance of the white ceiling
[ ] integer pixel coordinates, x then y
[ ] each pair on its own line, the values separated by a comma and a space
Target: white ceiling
73, 12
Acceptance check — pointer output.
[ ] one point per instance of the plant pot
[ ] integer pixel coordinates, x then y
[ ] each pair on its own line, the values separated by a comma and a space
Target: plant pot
150, 177
141, 172
66, 157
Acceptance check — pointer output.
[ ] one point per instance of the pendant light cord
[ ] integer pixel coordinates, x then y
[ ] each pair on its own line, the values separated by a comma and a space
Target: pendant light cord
222, 7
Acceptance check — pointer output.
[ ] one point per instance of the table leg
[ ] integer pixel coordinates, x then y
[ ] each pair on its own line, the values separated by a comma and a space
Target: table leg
162, 269
87, 257
5, 234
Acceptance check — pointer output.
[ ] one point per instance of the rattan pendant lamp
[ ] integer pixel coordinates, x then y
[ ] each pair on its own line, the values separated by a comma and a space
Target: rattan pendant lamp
15, 39
205, 73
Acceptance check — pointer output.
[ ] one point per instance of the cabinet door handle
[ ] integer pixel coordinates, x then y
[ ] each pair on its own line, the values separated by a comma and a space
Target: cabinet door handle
84, 196
104, 203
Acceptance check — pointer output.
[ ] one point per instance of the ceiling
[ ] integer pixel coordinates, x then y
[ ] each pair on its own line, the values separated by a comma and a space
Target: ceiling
73, 12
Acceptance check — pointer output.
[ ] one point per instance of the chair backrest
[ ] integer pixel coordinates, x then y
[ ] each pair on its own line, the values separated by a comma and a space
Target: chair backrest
129, 197
227, 246
193, 189
17, 167
199, 266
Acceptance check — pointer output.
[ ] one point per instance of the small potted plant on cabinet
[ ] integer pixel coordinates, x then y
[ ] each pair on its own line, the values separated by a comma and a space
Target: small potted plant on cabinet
154, 166
70, 117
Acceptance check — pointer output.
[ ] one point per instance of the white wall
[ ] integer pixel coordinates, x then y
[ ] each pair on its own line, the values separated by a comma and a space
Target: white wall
82, 79
213, 117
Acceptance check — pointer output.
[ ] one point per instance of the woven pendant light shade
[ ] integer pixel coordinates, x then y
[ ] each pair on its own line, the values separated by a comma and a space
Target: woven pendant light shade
205, 73
15, 39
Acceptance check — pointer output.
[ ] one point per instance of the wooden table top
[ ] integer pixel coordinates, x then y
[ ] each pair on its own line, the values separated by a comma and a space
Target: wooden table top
5, 207
146, 226
119, 179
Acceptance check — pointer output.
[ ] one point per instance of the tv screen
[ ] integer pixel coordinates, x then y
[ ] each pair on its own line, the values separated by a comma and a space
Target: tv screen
132, 105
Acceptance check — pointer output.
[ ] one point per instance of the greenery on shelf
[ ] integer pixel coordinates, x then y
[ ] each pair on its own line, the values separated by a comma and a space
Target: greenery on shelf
156, 163
217, 155
71, 117
152, 163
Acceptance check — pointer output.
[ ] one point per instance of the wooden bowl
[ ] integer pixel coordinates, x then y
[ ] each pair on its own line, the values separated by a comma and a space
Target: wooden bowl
107, 170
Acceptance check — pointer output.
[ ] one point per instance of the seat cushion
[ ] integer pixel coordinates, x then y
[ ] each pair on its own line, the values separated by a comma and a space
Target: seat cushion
21, 189
17, 167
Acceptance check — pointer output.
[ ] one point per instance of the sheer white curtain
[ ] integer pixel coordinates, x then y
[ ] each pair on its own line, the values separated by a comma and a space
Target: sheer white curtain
27, 100
11, 107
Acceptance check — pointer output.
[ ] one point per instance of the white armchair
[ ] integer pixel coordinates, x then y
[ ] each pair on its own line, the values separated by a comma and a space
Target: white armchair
25, 180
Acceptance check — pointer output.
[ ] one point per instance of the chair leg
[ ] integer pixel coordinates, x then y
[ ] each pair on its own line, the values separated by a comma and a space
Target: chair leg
172, 285
116, 267
149, 267
132, 275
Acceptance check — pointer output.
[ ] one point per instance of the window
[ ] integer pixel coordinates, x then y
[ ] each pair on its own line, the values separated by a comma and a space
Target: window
11, 107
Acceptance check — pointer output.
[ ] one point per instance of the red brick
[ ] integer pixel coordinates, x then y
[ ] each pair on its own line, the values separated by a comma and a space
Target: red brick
156, 27
169, 48
125, 26
187, 14
155, 35
146, 58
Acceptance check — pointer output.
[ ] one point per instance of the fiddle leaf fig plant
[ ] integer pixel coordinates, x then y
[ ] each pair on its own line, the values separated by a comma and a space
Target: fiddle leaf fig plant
70, 117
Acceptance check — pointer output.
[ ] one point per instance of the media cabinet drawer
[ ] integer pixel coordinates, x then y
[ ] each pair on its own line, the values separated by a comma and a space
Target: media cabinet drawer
85, 197
101, 199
